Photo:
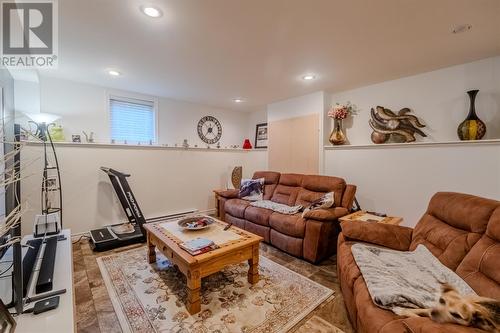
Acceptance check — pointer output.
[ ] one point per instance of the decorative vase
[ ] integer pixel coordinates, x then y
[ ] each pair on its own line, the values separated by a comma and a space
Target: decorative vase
472, 128
247, 144
337, 137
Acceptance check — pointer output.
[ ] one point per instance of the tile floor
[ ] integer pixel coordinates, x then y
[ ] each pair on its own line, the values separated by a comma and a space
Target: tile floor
95, 314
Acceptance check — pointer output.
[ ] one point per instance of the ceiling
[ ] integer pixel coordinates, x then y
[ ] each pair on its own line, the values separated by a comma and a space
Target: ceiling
211, 51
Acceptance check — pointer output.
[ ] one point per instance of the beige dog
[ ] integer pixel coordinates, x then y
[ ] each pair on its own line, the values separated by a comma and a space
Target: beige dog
474, 311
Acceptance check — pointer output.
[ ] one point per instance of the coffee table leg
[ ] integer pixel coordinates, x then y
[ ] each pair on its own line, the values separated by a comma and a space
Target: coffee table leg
193, 291
151, 250
253, 270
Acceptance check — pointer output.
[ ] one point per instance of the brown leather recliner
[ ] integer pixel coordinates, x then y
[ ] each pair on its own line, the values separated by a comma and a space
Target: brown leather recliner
313, 237
462, 231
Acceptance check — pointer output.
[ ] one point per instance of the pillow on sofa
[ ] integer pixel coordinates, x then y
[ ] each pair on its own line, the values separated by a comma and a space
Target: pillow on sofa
252, 189
326, 201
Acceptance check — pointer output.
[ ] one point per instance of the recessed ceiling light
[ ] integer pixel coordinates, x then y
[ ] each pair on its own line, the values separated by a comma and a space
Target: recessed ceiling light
151, 11
238, 100
461, 28
308, 77
113, 72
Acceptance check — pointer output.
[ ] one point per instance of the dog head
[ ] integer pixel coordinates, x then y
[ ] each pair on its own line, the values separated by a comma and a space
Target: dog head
454, 308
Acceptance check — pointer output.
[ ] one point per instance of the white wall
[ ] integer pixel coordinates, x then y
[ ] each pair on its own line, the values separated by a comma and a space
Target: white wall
438, 98
296, 107
83, 107
401, 180
163, 180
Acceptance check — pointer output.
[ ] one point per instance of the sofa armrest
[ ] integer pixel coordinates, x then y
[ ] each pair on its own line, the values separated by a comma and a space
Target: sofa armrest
392, 236
228, 194
330, 214
348, 196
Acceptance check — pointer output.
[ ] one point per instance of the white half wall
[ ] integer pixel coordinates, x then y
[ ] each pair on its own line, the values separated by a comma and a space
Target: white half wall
164, 180
400, 180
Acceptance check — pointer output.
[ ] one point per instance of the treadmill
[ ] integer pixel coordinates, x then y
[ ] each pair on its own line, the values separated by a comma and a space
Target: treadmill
121, 234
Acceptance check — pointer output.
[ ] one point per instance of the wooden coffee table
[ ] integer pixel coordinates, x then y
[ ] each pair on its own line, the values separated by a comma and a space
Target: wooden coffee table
235, 245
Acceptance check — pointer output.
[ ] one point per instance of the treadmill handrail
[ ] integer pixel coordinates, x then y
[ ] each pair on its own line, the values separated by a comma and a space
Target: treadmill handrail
113, 172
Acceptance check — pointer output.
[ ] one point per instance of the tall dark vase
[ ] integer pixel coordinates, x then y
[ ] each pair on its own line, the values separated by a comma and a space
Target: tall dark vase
472, 128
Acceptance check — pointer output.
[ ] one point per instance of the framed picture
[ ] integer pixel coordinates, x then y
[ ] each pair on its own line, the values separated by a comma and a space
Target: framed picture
261, 135
7, 323
76, 138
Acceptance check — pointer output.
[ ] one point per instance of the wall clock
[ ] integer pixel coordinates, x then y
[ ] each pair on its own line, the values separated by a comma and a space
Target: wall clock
209, 130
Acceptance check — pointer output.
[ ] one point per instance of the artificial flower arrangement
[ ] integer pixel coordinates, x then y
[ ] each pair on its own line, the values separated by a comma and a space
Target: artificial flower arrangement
342, 111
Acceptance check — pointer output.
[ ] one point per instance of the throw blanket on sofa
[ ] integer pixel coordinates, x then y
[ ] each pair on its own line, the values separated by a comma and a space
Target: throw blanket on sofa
277, 207
398, 279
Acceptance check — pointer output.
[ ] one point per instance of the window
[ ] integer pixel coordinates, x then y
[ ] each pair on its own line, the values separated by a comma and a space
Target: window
133, 120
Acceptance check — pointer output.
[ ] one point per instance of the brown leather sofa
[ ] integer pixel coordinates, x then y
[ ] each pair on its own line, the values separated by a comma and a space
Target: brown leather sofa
462, 231
313, 237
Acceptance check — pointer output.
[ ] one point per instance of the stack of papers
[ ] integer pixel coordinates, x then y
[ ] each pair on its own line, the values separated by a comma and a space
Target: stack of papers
198, 246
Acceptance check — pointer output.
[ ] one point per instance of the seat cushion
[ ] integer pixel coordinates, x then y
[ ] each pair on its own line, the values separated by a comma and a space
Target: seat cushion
291, 225
258, 215
237, 222
259, 230
236, 207
286, 243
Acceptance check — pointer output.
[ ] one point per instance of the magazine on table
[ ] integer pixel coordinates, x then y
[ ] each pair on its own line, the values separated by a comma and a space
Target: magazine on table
198, 246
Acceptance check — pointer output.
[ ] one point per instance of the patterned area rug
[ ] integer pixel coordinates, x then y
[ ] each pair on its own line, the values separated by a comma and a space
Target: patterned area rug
150, 298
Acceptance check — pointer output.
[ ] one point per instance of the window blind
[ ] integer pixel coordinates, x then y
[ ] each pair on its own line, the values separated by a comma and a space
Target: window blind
132, 120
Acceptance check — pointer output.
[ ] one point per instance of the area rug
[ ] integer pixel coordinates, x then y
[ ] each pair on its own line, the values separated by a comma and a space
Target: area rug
151, 298
318, 325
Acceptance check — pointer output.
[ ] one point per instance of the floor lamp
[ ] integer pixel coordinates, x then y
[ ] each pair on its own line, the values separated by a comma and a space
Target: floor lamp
51, 180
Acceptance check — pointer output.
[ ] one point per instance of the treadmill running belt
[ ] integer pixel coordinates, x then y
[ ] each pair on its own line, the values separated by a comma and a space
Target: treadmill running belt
46, 273
29, 262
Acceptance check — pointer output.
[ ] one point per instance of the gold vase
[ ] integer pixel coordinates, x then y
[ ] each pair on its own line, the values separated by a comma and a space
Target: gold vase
337, 137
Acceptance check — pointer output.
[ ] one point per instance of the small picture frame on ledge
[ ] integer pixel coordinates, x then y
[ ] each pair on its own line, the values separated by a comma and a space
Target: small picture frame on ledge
261, 135
7, 323
76, 138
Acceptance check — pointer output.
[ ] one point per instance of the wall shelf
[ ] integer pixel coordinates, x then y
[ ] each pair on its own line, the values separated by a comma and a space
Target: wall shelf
145, 146
415, 144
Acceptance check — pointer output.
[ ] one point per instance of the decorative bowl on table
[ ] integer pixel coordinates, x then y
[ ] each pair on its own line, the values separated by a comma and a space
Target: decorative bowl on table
195, 222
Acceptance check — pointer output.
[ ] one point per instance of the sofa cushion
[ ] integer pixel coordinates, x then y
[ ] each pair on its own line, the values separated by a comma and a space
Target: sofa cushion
378, 317
237, 222
331, 214
287, 189
258, 215
462, 211
260, 230
286, 243
448, 244
325, 184
271, 179
453, 223
236, 207
480, 266
285, 195
306, 197
291, 225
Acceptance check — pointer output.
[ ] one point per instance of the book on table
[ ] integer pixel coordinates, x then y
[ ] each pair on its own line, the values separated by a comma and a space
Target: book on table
198, 246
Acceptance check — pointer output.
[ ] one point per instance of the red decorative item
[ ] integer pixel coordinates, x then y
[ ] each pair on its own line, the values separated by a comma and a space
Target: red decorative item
247, 144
